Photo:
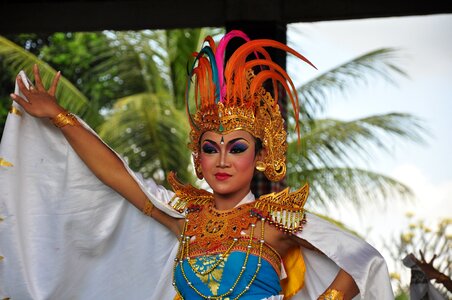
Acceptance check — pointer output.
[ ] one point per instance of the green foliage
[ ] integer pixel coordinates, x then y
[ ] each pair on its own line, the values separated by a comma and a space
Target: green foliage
30, 42
151, 133
183, 42
135, 82
76, 55
6, 86
402, 296
149, 125
15, 59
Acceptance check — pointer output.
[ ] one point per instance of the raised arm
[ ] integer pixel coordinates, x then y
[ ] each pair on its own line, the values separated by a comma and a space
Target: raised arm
99, 158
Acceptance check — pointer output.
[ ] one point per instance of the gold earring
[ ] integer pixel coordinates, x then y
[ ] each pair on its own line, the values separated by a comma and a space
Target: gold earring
261, 166
199, 172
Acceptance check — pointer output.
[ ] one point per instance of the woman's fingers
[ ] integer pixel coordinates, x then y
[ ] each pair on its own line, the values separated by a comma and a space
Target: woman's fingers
54, 85
38, 80
22, 86
20, 100
37, 101
40, 86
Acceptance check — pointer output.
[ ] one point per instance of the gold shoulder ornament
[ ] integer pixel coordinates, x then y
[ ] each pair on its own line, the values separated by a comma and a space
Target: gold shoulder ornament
186, 194
285, 209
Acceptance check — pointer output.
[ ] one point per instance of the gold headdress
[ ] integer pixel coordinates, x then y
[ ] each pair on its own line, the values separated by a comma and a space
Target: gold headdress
234, 97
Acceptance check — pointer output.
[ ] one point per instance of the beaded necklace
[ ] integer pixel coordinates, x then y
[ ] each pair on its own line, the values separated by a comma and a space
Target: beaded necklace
213, 227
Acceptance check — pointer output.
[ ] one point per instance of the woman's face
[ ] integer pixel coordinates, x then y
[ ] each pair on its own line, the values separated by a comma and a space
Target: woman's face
228, 161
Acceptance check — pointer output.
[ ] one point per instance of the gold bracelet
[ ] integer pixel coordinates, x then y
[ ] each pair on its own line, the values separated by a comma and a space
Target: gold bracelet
147, 208
65, 118
332, 294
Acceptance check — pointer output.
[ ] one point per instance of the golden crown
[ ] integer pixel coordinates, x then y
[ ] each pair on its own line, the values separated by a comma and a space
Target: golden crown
234, 98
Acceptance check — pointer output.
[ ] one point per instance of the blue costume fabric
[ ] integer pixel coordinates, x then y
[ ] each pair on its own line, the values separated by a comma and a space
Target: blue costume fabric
266, 284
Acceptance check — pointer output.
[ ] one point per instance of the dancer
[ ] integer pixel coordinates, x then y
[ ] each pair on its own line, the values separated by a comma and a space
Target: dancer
223, 244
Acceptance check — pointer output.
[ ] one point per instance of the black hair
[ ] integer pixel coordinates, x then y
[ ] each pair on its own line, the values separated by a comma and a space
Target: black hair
257, 146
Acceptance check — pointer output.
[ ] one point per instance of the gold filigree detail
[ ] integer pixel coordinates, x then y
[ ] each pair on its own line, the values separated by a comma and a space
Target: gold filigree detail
186, 193
256, 113
65, 118
332, 294
215, 227
285, 209
147, 208
15, 111
184, 252
211, 279
5, 163
268, 253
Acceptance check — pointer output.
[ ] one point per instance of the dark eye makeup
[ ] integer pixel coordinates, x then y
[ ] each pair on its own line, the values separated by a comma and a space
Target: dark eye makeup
238, 147
208, 148
234, 147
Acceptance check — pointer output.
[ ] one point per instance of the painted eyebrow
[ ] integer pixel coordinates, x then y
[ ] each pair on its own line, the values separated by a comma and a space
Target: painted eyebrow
229, 143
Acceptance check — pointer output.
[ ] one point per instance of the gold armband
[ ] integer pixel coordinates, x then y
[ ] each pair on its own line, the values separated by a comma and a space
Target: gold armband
332, 294
65, 118
147, 208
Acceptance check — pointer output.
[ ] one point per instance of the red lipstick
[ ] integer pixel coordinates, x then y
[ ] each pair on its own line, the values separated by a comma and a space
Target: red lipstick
222, 176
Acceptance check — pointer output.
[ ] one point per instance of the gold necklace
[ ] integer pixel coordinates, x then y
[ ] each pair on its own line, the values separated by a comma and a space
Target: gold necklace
214, 227
184, 252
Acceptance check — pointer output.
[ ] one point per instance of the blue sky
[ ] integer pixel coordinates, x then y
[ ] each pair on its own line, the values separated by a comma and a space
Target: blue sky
425, 45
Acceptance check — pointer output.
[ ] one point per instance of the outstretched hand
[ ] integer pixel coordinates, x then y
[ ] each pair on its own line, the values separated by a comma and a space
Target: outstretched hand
431, 272
41, 102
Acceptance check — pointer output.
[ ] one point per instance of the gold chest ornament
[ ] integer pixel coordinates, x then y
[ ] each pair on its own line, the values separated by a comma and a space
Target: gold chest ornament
212, 228
284, 210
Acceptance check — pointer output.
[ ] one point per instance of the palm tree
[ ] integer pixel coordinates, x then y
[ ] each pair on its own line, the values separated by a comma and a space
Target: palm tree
17, 58
148, 125
331, 148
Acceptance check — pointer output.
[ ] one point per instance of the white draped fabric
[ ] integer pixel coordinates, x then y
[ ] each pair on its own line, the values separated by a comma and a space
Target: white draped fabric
65, 235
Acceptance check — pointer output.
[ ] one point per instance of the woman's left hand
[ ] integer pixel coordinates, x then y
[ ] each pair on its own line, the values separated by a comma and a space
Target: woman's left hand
41, 102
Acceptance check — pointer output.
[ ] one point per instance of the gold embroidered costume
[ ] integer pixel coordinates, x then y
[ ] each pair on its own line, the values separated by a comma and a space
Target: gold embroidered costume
210, 236
242, 95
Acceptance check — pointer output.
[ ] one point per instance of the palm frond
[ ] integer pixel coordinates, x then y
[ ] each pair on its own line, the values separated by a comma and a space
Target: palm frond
330, 150
151, 134
180, 44
377, 64
339, 184
327, 142
133, 59
339, 224
17, 59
